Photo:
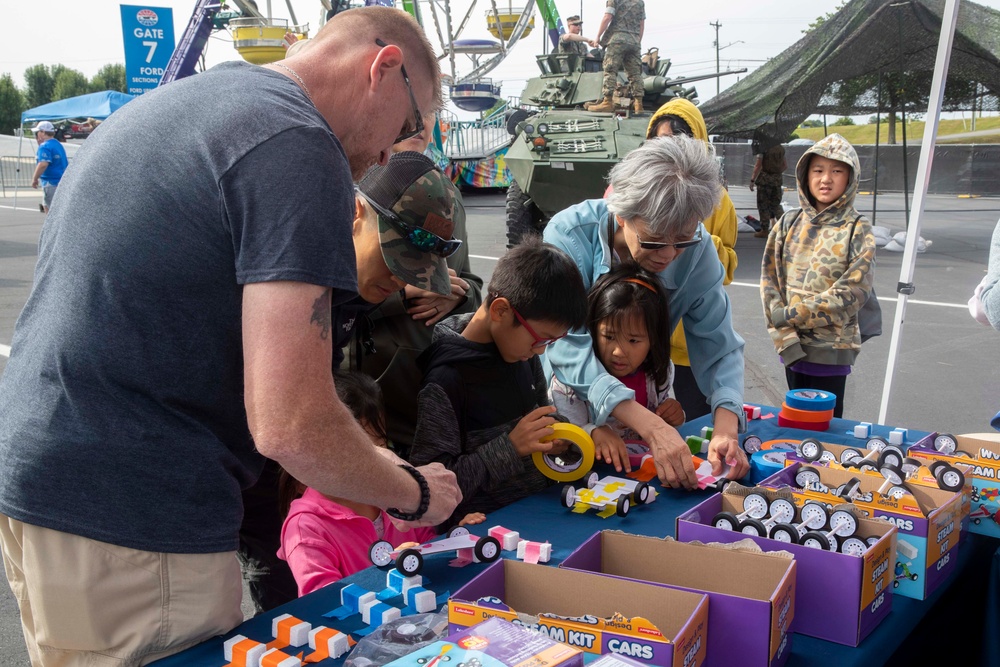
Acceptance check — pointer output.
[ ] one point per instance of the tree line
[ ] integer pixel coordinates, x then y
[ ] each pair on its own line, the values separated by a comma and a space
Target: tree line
44, 84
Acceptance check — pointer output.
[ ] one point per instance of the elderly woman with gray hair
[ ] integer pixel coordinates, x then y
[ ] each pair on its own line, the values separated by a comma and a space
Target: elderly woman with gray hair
661, 192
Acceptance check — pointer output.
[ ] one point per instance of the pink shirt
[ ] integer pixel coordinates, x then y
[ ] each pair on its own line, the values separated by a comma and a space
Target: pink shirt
323, 541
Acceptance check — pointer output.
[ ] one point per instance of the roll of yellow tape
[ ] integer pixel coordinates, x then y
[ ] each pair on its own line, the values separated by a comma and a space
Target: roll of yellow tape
563, 468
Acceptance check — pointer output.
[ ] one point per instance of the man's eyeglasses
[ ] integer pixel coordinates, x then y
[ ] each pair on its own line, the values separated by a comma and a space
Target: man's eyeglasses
680, 245
539, 341
418, 119
418, 237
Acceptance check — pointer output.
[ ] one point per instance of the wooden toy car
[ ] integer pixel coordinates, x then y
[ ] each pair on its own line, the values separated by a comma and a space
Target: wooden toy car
410, 559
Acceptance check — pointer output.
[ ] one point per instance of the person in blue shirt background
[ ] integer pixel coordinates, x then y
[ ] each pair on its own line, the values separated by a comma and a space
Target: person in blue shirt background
51, 162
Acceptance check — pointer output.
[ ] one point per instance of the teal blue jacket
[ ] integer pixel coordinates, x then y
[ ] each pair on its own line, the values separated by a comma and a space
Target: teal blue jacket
694, 282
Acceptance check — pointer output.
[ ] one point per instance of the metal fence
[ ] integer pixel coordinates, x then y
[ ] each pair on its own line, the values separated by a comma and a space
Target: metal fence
474, 139
967, 169
15, 172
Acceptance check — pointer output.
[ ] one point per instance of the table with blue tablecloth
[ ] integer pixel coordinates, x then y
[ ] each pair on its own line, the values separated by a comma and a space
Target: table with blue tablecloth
901, 637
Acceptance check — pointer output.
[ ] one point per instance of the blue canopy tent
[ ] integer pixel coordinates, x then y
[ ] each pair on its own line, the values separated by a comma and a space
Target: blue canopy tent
93, 105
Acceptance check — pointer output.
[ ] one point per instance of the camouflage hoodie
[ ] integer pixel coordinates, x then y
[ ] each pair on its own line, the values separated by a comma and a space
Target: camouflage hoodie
816, 275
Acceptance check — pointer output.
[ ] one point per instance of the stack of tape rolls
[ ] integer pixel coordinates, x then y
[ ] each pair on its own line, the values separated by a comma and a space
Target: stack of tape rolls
765, 463
571, 464
808, 409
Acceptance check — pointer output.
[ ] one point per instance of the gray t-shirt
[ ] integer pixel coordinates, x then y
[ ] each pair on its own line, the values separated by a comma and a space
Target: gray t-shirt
121, 407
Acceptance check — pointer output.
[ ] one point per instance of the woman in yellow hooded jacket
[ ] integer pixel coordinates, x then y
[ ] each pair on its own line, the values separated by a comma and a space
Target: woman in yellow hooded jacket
680, 116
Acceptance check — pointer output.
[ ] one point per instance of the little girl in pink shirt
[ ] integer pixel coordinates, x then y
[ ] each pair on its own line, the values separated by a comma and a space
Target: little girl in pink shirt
324, 538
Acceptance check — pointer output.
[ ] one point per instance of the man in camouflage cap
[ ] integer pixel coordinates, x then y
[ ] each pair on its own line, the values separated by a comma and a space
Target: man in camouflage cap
414, 208
573, 41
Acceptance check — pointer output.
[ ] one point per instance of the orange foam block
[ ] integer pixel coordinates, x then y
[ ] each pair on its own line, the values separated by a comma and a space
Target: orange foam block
327, 643
242, 652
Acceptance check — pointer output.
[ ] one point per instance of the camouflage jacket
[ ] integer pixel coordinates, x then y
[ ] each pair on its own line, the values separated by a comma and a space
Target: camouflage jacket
817, 270
626, 21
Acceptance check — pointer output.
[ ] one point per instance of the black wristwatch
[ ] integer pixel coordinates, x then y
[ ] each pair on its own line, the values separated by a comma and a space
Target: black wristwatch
425, 498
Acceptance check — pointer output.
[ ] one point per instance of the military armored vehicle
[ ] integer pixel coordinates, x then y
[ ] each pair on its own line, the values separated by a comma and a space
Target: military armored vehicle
561, 154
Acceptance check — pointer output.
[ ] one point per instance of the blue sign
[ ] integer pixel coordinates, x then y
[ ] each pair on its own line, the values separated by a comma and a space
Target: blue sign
149, 43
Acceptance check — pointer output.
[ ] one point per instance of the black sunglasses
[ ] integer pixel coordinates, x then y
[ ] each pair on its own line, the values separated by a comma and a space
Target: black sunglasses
418, 237
419, 119
658, 245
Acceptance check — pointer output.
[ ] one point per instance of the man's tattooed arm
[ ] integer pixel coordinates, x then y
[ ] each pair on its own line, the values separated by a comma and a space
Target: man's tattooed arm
321, 315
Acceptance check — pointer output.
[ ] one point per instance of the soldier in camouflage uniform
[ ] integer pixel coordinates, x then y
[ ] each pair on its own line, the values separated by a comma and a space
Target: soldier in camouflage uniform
573, 40
621, 35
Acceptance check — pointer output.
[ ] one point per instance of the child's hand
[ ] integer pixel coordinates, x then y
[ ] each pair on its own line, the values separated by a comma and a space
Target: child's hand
610, 448
537, 424
671, 412
472, 518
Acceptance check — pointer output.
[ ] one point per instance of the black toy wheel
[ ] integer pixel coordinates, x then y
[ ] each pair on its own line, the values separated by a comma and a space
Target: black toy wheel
877, 443
641, 493
806, 476
623, 506
945, 443
410, 562
853, 546
568, 496
458, 531
753, 527
380, 553
725, 521
816, 540
950, 478
811, 450
891, 454
849, 454
487, 549
784, 532
752, 444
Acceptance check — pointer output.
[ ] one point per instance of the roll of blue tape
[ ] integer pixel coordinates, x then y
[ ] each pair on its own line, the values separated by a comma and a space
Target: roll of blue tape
765, 463
810, 399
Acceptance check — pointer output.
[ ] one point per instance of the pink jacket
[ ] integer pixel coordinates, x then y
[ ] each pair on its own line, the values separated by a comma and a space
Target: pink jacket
323, 541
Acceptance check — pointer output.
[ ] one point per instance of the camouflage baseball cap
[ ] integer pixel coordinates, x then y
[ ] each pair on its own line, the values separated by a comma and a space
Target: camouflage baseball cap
412, 197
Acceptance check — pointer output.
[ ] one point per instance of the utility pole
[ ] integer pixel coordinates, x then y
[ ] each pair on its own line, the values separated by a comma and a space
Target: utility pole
718, 70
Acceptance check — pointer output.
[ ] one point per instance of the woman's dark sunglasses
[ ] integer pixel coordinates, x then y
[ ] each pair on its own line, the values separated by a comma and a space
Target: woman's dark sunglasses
418, 237
657, 245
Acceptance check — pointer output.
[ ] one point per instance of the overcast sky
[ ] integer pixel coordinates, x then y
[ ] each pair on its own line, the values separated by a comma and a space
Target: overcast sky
88, 35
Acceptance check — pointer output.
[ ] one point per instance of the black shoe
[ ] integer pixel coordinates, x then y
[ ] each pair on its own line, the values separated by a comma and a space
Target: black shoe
41, 208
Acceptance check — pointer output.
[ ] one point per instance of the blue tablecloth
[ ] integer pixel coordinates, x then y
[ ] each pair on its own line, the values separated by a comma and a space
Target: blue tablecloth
543, 518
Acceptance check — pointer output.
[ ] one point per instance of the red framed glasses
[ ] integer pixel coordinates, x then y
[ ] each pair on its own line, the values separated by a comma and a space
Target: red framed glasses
539, 341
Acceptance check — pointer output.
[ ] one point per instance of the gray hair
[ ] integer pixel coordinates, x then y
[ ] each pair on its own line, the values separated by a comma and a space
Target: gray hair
667, 182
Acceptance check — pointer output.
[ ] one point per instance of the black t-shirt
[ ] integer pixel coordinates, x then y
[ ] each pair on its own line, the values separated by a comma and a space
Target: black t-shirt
121, 408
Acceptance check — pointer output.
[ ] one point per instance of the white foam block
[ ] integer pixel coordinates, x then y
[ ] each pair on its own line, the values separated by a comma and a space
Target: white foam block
367, 599
383, 616
278, 658
906, 549
336, 642
421, 599
544, 550
897, 436
365, 609
508, 538
253, 655
298, 632
398, 581
863, 430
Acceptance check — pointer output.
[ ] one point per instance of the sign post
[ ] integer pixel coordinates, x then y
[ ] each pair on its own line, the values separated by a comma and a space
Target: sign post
148, 33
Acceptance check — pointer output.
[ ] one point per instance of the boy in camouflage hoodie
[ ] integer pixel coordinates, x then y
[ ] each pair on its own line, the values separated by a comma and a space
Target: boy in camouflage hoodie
817, 272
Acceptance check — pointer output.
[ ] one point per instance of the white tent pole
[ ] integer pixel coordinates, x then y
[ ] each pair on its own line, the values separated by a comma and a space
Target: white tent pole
905, 287
17, 167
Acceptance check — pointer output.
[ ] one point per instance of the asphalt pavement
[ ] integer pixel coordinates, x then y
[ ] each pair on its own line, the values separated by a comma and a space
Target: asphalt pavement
947, 377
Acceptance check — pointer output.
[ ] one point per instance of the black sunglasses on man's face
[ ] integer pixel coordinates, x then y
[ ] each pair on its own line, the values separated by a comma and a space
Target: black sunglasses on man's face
419, 120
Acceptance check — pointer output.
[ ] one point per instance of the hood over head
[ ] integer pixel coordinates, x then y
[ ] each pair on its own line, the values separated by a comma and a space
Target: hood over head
682, 108
833, 147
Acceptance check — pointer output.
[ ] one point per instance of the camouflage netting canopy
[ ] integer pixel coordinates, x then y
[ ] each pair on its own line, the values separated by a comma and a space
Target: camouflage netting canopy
838, 67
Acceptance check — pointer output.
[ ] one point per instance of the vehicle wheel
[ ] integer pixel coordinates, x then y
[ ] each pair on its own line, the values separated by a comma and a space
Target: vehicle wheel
591, 479
725, 521
849, 454
945, 443
753, 527
410, 562
950, 478
523, 217
784, 532
624, 505
891, 454
752, 444
815, 540
458, 531
811, 450
487, 549
805, 476
641, 493
568, 496
853, 546
380, 553
876, 442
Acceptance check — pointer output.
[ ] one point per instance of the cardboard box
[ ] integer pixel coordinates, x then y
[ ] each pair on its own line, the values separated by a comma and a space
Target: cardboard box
929, 523
749, 615
838, 597
597, 614
983, 480
495, 643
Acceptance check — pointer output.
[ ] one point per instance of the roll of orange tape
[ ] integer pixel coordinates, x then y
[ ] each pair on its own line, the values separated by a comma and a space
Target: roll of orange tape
792, 414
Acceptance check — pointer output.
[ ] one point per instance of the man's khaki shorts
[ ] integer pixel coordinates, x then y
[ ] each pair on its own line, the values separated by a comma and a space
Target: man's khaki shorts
91, 603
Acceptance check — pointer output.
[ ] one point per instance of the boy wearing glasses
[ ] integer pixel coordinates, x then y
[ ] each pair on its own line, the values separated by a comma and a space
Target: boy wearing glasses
483, 408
